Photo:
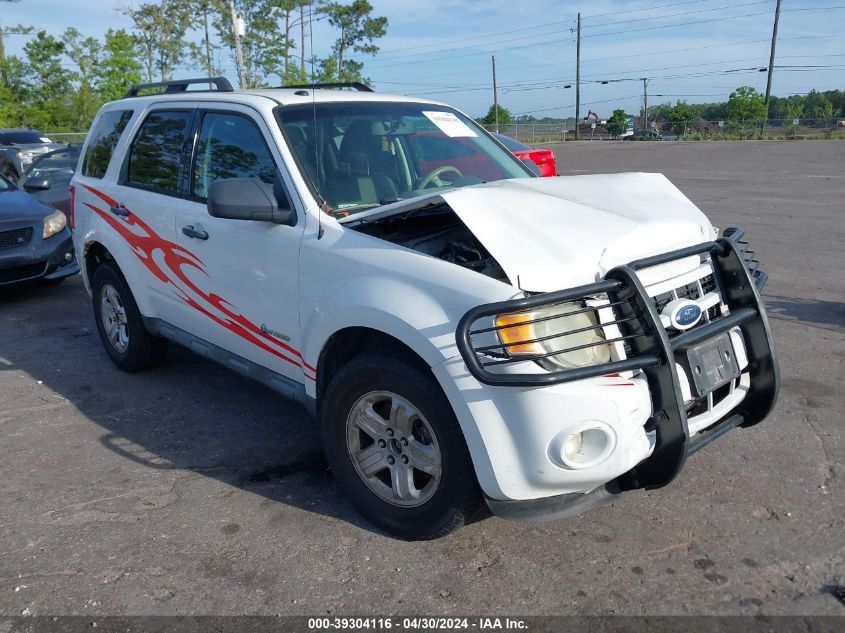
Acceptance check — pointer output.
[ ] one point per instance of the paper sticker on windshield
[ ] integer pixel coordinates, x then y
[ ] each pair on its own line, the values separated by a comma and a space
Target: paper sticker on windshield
44, 139
449, 124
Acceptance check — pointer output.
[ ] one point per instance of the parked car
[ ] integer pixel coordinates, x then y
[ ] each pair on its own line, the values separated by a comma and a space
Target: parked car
48, 178
35, 241
643, 135
19, 147
538, 344
543, 158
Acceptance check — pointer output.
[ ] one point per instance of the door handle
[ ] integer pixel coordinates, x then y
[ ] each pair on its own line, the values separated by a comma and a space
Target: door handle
190, 231
120, 210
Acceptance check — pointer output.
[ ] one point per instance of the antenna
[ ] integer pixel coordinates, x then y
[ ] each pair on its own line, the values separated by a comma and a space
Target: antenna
320, 200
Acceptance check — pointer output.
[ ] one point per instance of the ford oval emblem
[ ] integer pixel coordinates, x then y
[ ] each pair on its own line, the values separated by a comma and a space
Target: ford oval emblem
685, 315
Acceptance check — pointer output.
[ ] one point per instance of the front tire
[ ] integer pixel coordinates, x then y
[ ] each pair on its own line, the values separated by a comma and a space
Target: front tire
127, 342
395, 448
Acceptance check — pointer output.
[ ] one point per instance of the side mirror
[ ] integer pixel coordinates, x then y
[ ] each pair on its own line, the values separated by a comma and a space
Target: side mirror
246, 199
532, 166
36, 184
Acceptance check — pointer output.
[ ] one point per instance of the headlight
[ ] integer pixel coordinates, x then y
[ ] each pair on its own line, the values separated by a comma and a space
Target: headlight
553, 330
54, 223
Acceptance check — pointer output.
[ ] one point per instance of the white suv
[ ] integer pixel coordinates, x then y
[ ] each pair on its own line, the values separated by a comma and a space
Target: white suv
462, 330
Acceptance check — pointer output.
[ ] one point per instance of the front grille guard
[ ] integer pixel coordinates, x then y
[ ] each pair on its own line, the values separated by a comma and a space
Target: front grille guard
649, 348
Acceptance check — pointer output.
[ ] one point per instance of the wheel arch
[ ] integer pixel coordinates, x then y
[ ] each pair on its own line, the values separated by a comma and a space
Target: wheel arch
349, 342
346, 343
94, 255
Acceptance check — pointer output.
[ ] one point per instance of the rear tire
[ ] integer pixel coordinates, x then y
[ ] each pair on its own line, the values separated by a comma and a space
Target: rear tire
127, 342
396, 449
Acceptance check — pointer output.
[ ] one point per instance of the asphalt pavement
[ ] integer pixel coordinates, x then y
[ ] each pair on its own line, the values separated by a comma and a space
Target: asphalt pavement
190, 490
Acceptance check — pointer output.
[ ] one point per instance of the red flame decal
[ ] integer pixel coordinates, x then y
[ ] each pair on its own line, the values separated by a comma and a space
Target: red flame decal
145, 242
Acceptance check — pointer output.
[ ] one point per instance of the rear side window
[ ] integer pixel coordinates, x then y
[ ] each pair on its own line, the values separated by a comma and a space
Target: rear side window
155, 154
230, 146
102, 140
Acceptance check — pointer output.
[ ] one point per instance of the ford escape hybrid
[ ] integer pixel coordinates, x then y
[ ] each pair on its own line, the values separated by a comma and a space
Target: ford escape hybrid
463, 331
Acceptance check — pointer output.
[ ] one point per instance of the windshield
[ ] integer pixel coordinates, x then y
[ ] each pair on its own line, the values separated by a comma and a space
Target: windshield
360, 155
58, 166
23, 137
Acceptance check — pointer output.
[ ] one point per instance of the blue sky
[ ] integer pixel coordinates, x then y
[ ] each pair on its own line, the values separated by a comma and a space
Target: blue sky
442, 48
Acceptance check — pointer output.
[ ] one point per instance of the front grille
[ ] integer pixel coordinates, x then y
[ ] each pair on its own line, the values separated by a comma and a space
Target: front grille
15, 237
21, 273
694, 290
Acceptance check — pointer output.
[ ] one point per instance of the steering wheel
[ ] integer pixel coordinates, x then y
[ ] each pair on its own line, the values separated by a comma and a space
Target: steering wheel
434, 176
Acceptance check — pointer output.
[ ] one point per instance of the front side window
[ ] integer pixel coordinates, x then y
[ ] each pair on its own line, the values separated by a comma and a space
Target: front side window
230, 146
360, 155
154, 158
102, 140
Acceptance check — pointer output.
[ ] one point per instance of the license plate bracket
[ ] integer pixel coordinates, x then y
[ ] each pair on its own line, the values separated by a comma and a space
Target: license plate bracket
710, 364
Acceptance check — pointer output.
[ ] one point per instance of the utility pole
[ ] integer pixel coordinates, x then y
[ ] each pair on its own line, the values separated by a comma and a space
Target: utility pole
302, 39
772, 58
495, 96
578, 82
645, 103
3, 78
207, 45
238, 29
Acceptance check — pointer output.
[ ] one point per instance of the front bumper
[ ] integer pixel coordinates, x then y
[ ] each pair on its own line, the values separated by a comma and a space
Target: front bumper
42, 259
653, 352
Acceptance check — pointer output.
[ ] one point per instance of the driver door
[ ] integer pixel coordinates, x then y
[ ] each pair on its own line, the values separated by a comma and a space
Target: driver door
243, 285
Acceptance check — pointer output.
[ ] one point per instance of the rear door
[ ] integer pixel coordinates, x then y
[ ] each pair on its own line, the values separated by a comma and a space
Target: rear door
245, 284
148, 196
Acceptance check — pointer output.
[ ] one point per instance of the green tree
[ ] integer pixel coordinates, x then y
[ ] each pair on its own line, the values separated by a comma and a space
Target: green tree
681, 117
793, 111
202, 54
161, 30
358, 30
825, 114
490, 118
746, 104
262, 45
84, 52
617, 123
120, 65
49, 84
12, 91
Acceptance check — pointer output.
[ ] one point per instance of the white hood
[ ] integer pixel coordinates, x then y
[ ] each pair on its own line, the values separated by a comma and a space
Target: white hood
553, 233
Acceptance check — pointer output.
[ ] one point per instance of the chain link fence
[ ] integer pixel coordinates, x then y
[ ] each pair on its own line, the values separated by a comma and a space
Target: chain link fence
690, 130
67, 137
532, 133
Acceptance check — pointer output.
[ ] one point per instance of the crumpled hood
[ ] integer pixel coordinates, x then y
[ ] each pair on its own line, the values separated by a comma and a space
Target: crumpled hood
553, 233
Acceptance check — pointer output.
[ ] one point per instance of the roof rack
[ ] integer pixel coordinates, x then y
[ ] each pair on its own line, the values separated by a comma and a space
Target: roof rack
221, 84
359, 86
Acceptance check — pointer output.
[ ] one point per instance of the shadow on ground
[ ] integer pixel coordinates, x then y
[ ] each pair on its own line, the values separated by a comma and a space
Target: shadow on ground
816, 312
189, 414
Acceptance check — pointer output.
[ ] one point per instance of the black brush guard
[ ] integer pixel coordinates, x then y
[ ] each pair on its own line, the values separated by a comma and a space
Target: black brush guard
651, 350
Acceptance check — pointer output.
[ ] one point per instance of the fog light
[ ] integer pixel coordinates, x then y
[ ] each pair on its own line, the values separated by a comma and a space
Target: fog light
572, 446
586, 447
68, 256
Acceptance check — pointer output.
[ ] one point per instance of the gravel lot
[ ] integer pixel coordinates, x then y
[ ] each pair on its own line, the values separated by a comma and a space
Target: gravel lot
189, 490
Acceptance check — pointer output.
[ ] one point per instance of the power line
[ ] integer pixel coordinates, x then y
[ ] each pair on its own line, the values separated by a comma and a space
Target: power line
672, 26
648, 54
476, 37
673, 15
661, 6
